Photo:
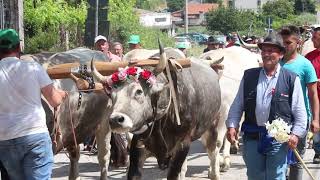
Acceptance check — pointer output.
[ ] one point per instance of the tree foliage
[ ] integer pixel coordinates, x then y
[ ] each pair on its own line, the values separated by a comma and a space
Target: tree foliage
227, 20
175, 5
153, 5
44, 19
302, 6
280, 8
129, 24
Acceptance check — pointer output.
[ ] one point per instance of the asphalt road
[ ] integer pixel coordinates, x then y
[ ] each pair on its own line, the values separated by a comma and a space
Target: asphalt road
198, 164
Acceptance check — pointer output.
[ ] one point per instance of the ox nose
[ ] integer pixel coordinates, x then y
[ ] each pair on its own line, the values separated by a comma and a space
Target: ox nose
117, 119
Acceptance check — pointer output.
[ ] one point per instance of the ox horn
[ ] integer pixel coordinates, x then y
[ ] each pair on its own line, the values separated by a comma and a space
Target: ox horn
163, 60
213, 61
246, 44
96, 73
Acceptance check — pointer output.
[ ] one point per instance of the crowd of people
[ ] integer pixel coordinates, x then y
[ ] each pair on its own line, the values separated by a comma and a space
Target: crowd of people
286, 86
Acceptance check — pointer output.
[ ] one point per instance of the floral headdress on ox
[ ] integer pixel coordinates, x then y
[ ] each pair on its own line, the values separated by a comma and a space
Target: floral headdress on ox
130, 74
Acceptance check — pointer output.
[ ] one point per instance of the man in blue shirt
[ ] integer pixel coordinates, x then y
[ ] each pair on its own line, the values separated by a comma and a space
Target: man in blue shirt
266, 94
298, 64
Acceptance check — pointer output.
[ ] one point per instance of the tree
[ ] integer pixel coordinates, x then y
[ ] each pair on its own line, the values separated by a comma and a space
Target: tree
153, 5
280, 8
175, 5
301, 6
226, 20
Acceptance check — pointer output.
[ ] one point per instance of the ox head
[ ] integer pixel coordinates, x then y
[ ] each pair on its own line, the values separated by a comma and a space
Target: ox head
132, 91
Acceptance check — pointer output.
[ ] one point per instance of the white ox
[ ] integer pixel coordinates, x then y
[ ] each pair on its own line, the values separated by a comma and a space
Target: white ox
307, 47
235, 61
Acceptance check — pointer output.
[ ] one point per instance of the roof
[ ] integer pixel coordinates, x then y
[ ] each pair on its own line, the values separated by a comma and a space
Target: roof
201, 8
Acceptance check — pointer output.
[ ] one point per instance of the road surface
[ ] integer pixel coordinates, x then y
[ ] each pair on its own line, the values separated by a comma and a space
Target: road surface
198, 164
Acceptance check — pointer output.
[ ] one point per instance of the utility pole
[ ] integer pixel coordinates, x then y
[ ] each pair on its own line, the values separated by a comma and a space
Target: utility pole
20, 23
186, 18
96, 29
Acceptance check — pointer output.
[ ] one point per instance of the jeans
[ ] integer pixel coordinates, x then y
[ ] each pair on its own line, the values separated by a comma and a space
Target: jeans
316, 143
269, 166
29, 157
3, 172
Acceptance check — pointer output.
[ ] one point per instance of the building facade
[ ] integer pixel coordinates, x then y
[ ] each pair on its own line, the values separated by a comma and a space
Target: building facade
254, 5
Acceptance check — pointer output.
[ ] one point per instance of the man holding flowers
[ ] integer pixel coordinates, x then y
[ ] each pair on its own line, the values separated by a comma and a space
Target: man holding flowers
266, 94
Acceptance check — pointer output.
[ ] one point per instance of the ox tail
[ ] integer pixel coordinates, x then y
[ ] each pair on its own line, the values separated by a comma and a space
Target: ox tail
119, 151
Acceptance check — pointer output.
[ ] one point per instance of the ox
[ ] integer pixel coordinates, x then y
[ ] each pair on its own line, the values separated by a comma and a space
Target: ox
80, 121
148, 113
92, 113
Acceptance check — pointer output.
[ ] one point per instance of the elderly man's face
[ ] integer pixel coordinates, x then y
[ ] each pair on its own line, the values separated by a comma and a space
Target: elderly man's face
270, 55
118, 50
102, 45
213, 46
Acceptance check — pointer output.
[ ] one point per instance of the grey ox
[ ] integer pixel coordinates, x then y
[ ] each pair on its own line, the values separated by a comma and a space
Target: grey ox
83, 121
148, 113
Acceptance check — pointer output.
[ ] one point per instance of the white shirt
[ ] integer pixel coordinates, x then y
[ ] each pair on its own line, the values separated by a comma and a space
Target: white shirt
21, 112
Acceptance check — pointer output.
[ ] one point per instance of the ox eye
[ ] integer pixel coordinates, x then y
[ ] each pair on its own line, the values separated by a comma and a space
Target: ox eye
139, 92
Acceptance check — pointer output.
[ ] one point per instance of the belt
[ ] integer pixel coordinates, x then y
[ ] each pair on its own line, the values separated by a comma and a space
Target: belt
253, 136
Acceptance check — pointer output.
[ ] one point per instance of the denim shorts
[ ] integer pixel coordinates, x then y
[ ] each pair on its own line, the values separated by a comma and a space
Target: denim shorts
29, 157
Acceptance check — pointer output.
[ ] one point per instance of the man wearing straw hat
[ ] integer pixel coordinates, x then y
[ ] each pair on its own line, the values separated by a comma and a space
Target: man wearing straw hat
25, 144
265, 94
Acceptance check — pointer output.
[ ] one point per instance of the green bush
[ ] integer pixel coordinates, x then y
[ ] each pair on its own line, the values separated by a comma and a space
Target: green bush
45, 19
42, 41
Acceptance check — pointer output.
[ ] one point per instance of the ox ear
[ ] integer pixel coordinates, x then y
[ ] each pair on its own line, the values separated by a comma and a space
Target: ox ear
157, 88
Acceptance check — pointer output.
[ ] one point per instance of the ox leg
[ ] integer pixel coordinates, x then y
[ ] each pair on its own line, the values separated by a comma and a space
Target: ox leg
103, 136
137, 158
225, 160
74, 155
213, 144
222, 130
184, 169
177, 161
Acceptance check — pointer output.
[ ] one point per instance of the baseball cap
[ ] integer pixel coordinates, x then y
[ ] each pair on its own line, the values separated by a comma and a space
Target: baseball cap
8, 38
134, 39
100, 37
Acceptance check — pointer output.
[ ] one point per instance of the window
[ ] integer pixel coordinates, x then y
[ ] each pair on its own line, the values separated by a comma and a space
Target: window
160, 19
259, 3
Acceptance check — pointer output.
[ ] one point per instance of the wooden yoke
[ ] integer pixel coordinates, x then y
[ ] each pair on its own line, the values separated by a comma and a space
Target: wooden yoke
70, 70
83, 84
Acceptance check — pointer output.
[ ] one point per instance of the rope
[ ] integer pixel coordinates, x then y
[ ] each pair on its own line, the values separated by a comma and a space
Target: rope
72, 126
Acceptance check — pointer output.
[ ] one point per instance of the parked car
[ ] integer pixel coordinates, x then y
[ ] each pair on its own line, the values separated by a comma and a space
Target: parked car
183, 39
196, 37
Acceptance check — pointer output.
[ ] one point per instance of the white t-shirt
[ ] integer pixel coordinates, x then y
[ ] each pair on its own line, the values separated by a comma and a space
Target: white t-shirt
21, 112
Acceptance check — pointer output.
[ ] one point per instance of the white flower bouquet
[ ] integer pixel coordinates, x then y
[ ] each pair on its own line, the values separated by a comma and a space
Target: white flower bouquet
280, 130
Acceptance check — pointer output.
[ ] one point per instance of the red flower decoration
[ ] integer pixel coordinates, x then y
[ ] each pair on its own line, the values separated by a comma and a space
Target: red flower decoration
145, 74
115, 77
132, 71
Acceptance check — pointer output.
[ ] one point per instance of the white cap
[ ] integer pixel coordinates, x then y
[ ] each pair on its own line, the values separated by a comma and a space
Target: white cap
100, 37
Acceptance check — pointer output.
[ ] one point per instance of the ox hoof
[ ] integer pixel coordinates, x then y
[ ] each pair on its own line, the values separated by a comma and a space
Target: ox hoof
225, 164
224, 167
213, 176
